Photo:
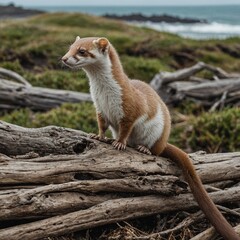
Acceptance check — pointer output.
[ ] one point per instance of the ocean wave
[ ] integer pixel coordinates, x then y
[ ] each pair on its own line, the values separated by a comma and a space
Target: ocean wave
197, 31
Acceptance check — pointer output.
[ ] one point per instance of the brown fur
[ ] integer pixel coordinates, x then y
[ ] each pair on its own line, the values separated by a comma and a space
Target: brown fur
138, 99
132, 109
86, 43
102, 125
161, 143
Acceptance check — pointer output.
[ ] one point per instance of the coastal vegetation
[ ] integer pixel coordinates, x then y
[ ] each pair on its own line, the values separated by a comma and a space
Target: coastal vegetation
33, 46
38, 188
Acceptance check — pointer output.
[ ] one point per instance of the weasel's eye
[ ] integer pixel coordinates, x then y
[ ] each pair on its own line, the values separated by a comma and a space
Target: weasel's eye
82, 51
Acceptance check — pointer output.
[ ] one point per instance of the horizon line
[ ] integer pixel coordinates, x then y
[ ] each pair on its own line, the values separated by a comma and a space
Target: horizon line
131, 5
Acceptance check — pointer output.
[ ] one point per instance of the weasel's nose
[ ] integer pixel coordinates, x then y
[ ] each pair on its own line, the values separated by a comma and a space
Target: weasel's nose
64, 59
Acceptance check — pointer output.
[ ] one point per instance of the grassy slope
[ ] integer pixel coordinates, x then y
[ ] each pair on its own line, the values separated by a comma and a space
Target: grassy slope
33, 47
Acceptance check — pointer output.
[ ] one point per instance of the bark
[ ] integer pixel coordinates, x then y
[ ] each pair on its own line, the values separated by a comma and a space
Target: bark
16, 140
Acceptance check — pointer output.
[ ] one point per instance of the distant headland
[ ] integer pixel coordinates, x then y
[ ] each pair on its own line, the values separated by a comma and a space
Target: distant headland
155, 18
12, 11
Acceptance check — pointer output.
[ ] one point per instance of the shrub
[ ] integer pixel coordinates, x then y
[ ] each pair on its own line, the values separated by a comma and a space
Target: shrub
211, 132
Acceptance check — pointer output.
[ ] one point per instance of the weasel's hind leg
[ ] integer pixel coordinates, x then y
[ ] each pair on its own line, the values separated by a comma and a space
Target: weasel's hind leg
144, 149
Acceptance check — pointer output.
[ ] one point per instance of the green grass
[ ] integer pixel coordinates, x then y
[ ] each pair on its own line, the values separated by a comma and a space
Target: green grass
213, 132
58, 79
141, 68
216, 132
80, 116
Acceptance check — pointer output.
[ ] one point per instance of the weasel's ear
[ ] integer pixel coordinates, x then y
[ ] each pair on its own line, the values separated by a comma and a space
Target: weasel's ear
102, 44
77, 38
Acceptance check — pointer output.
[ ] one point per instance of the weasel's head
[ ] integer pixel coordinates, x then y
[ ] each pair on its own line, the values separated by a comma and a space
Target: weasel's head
86, 52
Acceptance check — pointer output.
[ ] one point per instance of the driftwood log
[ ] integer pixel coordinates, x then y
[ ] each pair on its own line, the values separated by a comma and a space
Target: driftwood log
222, 90
58, 190
16, 92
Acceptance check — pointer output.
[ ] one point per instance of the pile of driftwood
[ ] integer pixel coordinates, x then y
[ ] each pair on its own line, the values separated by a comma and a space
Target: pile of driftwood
56, 180
222, 90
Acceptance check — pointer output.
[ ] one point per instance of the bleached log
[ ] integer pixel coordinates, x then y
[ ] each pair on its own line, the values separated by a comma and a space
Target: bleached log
16, 95
185, 73
13, 75
182, 84
167, 77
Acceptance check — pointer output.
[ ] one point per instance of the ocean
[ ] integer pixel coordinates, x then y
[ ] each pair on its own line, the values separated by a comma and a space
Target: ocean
223, 21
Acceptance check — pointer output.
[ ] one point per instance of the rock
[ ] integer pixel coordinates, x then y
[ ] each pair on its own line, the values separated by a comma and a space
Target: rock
154, 18
12, 11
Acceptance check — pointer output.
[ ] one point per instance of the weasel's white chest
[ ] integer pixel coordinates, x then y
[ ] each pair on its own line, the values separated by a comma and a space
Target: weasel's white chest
107, 97
147, 132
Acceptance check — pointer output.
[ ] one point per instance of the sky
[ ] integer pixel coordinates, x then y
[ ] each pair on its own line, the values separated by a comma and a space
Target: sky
115, 3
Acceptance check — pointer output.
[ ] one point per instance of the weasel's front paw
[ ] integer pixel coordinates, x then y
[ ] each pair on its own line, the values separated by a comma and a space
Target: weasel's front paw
119, 145
95, 136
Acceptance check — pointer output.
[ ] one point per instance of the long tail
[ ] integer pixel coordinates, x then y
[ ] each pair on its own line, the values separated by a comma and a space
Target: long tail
199, 192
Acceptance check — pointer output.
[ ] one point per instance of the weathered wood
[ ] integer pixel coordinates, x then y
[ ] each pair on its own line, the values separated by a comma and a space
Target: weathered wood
96, 186
16, 140
223, 89
109, 212
211, 89
102, 161
13, 75
60, 198
167, 77
16, 95
98, 160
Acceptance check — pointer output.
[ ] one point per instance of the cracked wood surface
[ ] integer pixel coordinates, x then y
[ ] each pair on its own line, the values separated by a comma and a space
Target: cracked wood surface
73, 188
109, 212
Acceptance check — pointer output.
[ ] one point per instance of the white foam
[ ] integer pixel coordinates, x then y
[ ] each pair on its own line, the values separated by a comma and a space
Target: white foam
197, 30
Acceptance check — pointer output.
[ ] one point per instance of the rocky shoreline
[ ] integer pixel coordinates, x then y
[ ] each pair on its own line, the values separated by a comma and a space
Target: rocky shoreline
12, 11
154, 18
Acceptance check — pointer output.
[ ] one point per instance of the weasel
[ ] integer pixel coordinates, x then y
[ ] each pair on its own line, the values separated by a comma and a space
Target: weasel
136, 116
